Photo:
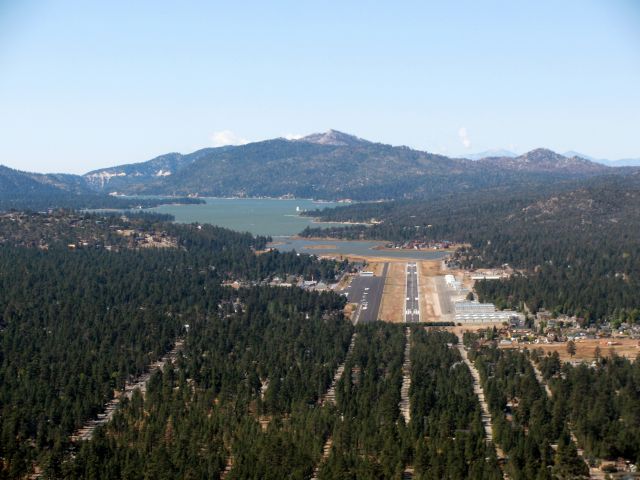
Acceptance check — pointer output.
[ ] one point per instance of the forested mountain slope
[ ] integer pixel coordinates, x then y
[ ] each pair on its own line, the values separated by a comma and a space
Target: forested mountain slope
122, 177
332, 165
544, 160
14, 183
300, 168
34, 191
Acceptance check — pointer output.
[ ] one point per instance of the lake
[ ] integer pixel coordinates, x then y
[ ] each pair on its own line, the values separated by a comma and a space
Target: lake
280, 219
259, 216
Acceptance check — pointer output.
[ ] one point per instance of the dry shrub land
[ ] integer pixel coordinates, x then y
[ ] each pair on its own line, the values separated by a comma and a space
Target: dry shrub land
392, 307
586, 349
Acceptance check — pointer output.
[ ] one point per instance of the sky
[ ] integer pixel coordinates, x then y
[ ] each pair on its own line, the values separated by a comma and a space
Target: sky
89, 84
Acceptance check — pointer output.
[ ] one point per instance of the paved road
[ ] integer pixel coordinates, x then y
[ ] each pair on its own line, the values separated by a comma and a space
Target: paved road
412, 301
367, 293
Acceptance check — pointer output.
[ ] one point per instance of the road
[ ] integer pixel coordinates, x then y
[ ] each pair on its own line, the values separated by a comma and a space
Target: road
412, 301
485, 415
367, 293
87, 430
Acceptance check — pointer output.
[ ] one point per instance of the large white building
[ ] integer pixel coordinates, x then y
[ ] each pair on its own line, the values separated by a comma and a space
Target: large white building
475, 312
473, 307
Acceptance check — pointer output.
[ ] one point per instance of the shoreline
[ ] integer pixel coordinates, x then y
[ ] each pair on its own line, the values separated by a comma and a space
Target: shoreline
322, 222
331, 239
372, 254
342, 201
451, 249
378, 259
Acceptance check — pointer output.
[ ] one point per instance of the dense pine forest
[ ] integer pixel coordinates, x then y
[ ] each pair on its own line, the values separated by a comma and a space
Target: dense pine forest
207, 414
86, 303
210, 406
600, 401
446, 425
591, 407
534, 435
201, 279
89, 301
576, 249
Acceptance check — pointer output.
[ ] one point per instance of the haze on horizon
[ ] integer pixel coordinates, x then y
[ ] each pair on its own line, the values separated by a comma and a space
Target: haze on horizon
86, 86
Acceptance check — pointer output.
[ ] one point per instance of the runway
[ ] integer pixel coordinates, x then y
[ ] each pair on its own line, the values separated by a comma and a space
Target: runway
412, 300
367, 293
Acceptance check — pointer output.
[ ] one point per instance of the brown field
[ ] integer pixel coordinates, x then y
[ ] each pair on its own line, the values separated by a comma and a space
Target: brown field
585, 349
376, 268
393, 297
460, 329
429, 305
392, 305
467, 281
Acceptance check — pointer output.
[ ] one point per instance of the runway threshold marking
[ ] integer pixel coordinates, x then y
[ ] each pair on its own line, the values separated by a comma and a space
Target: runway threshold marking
412, 302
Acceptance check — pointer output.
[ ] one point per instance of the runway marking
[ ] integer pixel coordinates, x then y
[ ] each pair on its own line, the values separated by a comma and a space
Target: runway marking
412, 303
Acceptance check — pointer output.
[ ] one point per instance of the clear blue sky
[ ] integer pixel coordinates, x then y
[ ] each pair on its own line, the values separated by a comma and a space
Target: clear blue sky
87, 84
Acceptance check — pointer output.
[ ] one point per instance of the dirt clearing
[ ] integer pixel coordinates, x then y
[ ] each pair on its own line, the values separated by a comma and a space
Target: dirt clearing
429, 305
392, 306
585, 349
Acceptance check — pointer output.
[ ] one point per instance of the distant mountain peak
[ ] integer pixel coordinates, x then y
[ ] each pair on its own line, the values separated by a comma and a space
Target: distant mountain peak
573, 153
494, 152
623, 162
333, 137
545, 160
540, 155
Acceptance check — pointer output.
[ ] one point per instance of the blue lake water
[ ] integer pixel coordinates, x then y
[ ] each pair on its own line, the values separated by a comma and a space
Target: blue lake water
259, 216
280, 219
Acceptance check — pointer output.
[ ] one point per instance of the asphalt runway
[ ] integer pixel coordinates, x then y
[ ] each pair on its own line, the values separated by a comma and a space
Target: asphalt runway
412, 300
367, 293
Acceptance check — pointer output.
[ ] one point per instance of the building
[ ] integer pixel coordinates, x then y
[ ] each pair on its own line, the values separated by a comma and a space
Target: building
485, 277
475, 312
451, 282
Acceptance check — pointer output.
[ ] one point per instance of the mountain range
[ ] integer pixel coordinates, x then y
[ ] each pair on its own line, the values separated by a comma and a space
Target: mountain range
500, 152
331, 165
496, 152
622, 162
